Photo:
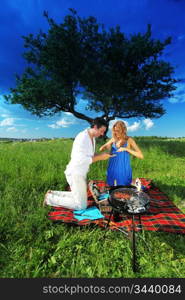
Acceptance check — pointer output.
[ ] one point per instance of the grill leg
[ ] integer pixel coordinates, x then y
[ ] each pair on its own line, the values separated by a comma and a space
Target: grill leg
133, 242
109, 219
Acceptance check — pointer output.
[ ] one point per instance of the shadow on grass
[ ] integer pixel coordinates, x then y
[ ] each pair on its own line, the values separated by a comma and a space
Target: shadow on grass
171, 147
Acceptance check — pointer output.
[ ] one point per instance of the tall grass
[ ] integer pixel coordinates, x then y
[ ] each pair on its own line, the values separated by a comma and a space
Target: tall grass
32, 246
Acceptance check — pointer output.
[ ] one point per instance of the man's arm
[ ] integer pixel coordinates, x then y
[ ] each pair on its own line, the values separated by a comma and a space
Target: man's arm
102, 156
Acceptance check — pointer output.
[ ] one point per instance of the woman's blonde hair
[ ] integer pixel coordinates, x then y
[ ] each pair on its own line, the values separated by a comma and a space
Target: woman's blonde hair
123, 131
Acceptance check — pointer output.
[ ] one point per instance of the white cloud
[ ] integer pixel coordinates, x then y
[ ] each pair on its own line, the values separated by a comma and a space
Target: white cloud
174, 100
52, 126
4, 115
7, 122
148, 123
64, 122
68, 113
12, 129
179, 94
134, 127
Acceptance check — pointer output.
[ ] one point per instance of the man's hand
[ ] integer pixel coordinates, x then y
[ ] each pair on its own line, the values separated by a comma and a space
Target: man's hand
105, 156
102, 156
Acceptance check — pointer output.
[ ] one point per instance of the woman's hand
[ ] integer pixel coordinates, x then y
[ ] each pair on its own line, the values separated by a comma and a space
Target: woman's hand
121, 149
102, 148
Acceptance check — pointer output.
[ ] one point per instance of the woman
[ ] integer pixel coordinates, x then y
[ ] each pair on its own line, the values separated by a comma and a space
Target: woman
119, 171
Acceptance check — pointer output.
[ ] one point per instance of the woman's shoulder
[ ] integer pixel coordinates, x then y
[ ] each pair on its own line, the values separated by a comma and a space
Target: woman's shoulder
130, 140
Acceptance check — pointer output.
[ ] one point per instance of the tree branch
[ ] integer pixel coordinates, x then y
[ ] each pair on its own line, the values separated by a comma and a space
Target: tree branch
80, 115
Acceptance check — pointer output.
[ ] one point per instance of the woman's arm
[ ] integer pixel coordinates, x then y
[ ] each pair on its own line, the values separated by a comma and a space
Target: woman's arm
132, 148
107, 146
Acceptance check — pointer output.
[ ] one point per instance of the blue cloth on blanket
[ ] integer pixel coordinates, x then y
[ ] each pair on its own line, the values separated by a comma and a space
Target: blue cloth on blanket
91, 213
103, 196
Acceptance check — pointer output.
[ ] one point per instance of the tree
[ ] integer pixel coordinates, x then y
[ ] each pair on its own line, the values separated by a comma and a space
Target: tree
120, 77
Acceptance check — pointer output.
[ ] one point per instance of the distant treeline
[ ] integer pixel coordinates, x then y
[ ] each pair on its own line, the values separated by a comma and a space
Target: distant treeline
158, 138
8, 140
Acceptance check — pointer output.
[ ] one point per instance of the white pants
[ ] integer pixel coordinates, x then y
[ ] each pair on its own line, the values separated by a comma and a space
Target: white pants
75, 199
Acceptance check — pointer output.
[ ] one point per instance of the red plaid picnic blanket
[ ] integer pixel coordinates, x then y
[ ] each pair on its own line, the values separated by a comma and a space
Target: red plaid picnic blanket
163, 214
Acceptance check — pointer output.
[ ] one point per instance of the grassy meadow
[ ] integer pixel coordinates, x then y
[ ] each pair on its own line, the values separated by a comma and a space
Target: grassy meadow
32, 246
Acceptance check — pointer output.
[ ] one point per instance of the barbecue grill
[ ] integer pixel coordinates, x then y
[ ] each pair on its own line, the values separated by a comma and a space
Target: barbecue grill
128, 200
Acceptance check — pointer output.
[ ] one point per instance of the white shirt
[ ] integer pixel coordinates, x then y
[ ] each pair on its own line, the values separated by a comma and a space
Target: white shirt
81, 155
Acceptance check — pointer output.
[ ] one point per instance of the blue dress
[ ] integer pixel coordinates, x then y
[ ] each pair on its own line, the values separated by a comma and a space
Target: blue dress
119, 167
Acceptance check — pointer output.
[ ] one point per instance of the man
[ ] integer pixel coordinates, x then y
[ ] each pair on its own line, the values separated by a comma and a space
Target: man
82, 155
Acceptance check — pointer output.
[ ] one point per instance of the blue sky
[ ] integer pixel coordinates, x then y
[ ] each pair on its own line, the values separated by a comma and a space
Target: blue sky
21, 17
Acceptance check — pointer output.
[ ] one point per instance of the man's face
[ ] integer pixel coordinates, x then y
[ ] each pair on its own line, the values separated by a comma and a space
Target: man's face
99, 131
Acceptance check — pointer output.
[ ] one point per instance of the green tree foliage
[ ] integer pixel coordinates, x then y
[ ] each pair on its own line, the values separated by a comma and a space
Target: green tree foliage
119, 76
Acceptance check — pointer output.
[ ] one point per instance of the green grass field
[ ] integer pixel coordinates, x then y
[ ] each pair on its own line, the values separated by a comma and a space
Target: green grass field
32, 246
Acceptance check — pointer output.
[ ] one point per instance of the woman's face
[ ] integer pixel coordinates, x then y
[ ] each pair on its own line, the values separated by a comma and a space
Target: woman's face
118, 131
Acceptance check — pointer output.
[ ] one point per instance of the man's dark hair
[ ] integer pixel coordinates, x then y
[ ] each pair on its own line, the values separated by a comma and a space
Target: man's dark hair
99, 122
